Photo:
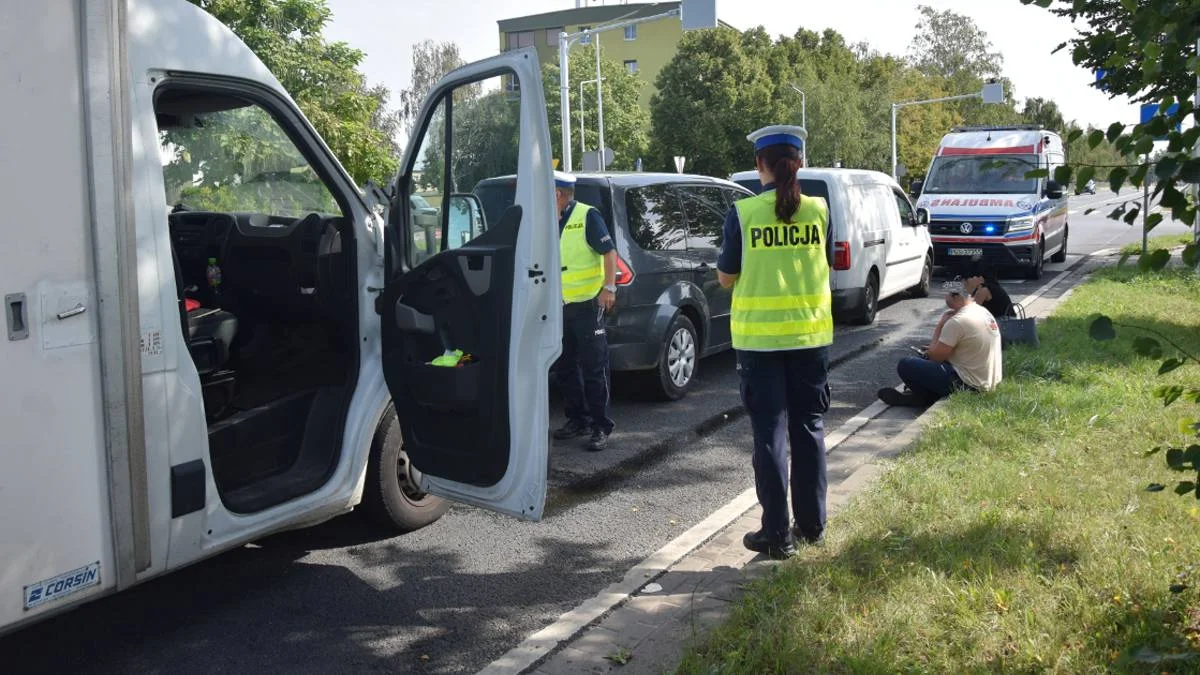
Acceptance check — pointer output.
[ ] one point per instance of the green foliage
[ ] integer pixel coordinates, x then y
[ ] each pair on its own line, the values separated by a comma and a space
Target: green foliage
321, 76
626, 122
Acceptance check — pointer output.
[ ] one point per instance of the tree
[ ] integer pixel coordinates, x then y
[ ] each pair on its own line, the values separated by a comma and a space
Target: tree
950, 47
430, 63
321, 76
626, 122
710, 95
1044, 112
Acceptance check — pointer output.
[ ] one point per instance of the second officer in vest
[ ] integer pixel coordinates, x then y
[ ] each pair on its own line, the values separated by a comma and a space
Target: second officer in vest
773, 256
588, 258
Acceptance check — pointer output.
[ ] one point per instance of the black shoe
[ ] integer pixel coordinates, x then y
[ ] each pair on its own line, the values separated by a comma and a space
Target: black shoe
598, 442
760, 543
572, 429
905, 399
808, 540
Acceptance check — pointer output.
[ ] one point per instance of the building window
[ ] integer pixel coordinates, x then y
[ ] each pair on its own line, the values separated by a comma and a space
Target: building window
520, 40
631, 66
552, 36
511, 83
586, 39
631, 33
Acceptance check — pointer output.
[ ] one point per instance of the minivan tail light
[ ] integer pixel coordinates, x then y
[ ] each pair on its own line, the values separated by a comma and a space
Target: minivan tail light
841, 255
624, 273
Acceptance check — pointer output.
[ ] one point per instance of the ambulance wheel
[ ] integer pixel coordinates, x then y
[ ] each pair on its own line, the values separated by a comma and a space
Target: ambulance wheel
870, 300
390, 497
1061, 254
678, 360
921, 290
1034, 271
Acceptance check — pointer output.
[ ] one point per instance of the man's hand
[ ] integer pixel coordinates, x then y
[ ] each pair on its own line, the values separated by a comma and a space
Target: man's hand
607, 300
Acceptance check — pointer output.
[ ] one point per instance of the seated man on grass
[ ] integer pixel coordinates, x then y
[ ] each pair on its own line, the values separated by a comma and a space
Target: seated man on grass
963, 354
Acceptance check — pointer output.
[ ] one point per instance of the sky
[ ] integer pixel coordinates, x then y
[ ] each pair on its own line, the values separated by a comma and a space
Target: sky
1024, 34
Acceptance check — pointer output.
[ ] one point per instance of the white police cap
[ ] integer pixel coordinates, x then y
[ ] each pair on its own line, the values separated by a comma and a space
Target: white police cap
563, 179
778, 134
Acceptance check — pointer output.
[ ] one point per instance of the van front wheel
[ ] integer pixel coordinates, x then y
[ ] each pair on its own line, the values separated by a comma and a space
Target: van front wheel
921, 290
390, 496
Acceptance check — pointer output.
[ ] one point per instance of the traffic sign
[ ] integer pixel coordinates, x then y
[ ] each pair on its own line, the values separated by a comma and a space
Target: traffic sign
1150, 111
698, 14
679, 163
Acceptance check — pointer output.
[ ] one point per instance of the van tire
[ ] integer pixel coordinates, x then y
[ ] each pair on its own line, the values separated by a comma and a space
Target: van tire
1061, 254
680, 335
921, 290
869, 302
1034, 271
387, 498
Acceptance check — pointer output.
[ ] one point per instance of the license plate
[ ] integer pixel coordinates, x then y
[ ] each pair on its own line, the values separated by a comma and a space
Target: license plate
964, 251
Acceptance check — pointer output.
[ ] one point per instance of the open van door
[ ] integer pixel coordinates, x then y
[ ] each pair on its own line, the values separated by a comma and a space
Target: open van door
472, 322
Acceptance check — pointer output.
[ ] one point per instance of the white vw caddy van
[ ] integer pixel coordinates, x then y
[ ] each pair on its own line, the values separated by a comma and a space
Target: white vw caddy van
878, 244
207, 322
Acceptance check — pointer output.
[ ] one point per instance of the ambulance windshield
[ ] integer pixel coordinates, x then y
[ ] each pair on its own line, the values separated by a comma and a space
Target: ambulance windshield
982, 174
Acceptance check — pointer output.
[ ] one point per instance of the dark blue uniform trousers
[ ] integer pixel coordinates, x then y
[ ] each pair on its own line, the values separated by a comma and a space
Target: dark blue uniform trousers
787, 396
582, 370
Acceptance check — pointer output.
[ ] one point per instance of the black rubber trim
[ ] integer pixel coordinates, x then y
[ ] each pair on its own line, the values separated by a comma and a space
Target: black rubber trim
874, 242
901, 262
187, 488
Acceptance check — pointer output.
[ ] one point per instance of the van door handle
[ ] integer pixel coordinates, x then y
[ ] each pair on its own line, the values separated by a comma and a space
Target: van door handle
18, 321
74, 311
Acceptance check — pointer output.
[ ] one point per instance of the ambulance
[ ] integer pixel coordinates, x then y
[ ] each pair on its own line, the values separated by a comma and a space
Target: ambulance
983, 207
213, 334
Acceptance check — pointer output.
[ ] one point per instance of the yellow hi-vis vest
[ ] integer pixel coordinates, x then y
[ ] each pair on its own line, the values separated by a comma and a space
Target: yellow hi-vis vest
582, 267
781, 299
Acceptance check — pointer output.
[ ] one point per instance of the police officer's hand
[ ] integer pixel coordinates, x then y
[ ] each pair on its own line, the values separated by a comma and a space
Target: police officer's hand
607, 300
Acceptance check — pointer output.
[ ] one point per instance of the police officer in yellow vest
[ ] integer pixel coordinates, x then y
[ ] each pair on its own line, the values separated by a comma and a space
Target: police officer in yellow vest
773, 257
589, 270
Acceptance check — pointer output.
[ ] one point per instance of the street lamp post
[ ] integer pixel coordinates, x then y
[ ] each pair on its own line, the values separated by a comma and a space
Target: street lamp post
582, 121
993, 92
803, 120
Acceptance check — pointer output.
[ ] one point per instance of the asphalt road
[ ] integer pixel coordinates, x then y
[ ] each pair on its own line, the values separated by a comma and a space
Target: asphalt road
454, 596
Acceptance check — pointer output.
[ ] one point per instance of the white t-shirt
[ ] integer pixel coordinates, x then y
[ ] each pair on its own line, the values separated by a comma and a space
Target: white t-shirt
973, 333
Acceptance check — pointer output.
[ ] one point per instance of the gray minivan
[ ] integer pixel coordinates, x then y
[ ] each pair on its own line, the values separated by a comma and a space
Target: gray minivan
671, 311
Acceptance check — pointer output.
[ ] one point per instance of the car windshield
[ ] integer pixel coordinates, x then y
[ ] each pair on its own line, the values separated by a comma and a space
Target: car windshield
497, 195
982, 174
751, 184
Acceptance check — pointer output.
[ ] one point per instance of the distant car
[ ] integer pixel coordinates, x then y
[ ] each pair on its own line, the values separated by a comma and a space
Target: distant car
671, 311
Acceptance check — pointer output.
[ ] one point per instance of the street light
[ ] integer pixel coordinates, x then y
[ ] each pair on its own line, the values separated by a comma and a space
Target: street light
803, 120
993, 92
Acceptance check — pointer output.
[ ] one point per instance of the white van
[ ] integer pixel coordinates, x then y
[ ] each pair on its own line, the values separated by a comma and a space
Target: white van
983, 208
879, 244
213, 334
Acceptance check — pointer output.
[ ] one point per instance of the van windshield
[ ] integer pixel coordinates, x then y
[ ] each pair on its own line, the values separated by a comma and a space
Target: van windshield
982, 174
498, 194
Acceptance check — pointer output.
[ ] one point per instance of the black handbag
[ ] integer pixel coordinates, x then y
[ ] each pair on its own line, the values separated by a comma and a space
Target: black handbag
1019, 329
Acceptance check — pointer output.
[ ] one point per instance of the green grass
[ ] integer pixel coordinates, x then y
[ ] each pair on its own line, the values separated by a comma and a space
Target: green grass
1165, 241
1016, 535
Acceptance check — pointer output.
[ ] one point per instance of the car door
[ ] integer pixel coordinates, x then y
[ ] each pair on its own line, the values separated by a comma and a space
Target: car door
705, 208
910, 264
472, 322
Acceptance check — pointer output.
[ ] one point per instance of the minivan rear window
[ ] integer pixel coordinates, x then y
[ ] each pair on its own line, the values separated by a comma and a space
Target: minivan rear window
498, 195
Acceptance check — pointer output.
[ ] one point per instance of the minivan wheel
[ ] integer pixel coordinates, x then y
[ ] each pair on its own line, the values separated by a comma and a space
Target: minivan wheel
870, 300
1034, 271
390, 496
921, 290
679, 359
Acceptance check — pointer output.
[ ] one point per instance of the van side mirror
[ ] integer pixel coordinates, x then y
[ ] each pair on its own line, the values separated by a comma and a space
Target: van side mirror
922, 216
1054, 190
467, 219
915, 188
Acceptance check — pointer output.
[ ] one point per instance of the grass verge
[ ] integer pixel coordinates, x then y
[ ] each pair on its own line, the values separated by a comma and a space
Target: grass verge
1016, 535
1165, 241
